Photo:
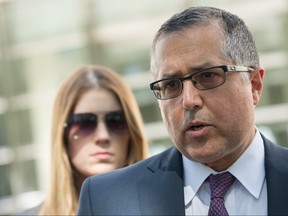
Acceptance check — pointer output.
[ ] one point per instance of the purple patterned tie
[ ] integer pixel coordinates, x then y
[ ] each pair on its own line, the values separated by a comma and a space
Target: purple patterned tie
219, 184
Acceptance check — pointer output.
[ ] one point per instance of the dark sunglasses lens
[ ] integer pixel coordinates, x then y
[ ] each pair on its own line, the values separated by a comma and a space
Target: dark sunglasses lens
115, 121
86, 128
82, 125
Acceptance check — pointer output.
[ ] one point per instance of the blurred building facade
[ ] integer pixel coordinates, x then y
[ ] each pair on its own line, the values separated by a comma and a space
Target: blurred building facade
41, 41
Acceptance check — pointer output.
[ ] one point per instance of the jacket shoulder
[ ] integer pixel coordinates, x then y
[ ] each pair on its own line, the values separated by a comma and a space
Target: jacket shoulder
275, 155
139, 169
118, 188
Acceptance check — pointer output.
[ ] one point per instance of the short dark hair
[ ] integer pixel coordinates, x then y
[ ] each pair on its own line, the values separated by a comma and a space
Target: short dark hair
238, 44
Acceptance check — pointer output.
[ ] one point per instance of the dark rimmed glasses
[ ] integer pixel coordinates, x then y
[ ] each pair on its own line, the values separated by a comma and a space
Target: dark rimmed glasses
83, 125
204, 79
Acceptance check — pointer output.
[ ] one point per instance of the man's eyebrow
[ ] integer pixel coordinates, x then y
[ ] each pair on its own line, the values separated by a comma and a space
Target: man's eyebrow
200, 67
172, 74
192, 69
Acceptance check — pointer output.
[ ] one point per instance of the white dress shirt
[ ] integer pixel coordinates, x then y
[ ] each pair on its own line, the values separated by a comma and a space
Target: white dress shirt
246, 196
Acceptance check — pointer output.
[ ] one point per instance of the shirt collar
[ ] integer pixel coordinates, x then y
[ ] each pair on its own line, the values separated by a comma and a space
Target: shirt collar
251, 161
249, 169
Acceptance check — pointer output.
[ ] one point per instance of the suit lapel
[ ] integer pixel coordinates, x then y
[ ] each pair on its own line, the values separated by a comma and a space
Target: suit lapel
276, 168
161, 192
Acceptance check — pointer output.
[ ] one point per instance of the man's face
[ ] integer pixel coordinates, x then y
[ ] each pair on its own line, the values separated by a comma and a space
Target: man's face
212, 126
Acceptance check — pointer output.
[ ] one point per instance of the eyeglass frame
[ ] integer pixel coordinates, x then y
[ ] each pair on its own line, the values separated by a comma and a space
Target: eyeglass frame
225, 68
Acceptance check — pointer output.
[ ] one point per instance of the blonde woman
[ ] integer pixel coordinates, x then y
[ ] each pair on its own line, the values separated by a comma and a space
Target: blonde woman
96, 128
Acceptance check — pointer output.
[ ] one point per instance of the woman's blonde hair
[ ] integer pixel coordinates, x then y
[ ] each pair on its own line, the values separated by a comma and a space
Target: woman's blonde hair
62, 198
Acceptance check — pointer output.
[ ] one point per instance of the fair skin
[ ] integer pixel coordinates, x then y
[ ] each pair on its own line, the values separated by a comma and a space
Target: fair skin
105, 151
215, 126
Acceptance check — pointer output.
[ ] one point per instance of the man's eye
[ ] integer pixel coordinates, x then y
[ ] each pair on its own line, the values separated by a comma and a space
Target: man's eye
207, 75
172, 84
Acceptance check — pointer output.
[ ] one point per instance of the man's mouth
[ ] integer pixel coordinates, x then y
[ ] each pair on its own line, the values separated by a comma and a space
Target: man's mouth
197, 127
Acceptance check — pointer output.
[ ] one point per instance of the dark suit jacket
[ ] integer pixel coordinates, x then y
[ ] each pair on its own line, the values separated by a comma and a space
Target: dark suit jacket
155, 186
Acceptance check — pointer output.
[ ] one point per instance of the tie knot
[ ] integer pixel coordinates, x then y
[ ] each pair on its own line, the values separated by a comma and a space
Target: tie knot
220, 183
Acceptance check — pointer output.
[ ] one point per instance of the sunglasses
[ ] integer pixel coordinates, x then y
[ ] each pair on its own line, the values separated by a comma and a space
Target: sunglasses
83, 125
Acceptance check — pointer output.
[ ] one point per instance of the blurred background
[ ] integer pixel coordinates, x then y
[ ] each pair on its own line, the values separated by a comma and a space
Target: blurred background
41, 41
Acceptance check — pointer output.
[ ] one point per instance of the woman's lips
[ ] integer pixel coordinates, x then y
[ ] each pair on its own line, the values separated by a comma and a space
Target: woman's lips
103, 155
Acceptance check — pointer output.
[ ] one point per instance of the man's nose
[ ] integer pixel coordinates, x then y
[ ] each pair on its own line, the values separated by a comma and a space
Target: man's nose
191, 97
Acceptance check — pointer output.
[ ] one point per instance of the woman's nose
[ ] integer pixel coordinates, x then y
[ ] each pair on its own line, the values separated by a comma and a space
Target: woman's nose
101, 133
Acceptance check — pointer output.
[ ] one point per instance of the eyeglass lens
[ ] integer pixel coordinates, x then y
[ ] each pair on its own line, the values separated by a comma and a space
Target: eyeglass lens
202, 80
83, 125
209, 78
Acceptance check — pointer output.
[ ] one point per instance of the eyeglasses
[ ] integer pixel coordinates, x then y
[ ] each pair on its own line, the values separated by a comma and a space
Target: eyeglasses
83, 125
204, 79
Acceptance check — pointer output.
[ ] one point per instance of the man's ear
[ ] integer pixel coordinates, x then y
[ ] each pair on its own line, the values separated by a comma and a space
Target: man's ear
256, 79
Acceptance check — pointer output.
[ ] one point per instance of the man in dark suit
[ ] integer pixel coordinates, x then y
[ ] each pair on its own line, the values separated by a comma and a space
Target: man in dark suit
208, 83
